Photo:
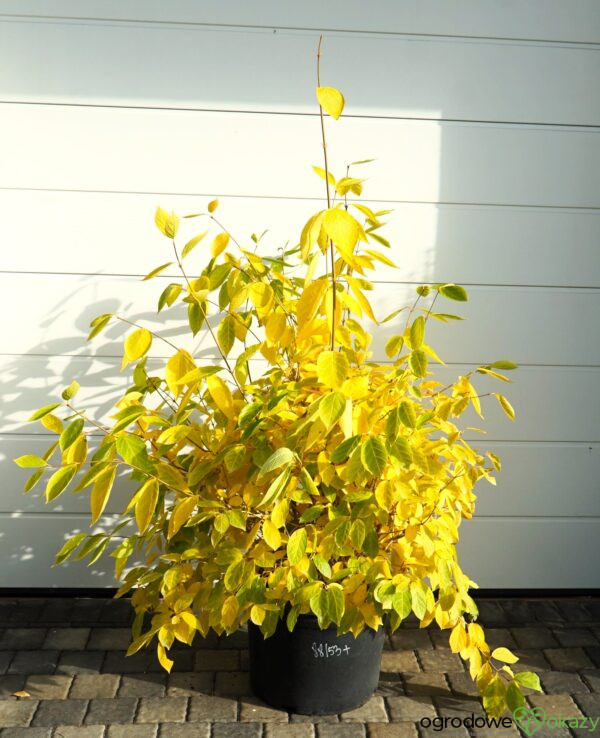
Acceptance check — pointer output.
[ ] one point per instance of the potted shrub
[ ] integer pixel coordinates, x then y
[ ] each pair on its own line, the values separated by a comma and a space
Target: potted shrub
295, 484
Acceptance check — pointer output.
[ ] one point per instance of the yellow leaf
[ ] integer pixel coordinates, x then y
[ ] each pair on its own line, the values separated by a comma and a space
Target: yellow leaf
213, 205
21, 693
262, 297
177, 367
356, 387
229, 611
321, 173
310, 234
52, 423
181, 514
332, 368
101, 491
221, 395
342, 228
165, 661
310, 301
257, 614
331, 100
271, 535
506, 406
137, 344
362, 300
219, 244
167, 223
458, 638
147, 498
503, 654
476, 634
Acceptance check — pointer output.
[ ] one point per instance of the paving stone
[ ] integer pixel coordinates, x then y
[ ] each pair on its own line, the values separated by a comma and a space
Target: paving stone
427, 730
244, 661
60, 712
144, 685
10, 683
589, 704
16, 639
48, 686
349, 730
80, 662
496, 637
562, 682
533, 637
399, 661
297, 718
26, 732
5, 659
427, 684
568, 659
462, 684
94, 686
546, 612
108, 711
389, 684
116, 662
27, 611
162, 709
573, 611
254, 710
86, 610
79, 731
592, 678
109, 639
490, 613
33, 662
56, 610
593, 652
460, 707
187, 684
67, 639
530, 659
440, 660
392, 730
131, 731
373, 711
184, 730
410, 640
297, 730
517, 611
117, 611
403, 709
232, 683
16, 713
237, 640
217, 660
206, 708
570, 637
237, 730
555, 704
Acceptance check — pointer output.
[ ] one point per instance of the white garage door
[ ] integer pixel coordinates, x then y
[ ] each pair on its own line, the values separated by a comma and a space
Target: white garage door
484, 120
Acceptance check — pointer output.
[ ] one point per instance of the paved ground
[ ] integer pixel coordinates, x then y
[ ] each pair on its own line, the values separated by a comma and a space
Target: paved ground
68, 655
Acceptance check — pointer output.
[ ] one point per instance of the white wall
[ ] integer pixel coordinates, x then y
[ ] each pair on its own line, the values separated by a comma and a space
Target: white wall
484, 120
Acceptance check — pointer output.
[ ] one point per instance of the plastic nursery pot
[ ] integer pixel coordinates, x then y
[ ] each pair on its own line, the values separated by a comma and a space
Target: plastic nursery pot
312, 671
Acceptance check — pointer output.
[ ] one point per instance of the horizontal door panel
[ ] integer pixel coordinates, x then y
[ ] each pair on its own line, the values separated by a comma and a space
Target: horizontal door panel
552, 403
531, 553
58, 147
517, 323
430, 243
512, 80
537, 19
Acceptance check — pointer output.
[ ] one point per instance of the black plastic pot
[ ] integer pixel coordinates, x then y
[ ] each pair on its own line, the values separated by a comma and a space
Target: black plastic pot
313, 671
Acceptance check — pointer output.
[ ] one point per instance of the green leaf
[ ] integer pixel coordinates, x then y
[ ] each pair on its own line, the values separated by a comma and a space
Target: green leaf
192, 243
331, 408
418, 601
311, 513
308, 482
133, 450
373, 455
357, 534
528, 679
276, 489
341, 452
281, 457
234, 575
196, 315
322, 565
71, 433
402, 603
156, 271
33, 480
417, 332
167, 223
393, 346
418, 363
503, 364
99, 324
406, 414
296, 546
43, 411
335, 602
319, 604
68, 548
59, 480
70, 391
454, 292
226, 334
169, 295
514, 697
401, 449
90, 476
29, 461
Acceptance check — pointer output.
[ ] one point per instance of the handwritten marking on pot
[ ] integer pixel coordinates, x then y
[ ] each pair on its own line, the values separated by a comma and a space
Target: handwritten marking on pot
324, 650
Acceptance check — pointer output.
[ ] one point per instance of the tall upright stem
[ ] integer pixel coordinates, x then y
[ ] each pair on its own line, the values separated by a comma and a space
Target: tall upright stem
331, 247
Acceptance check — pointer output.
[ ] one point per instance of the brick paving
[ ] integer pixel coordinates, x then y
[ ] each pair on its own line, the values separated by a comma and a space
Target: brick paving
68, 656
